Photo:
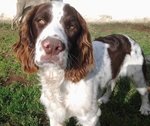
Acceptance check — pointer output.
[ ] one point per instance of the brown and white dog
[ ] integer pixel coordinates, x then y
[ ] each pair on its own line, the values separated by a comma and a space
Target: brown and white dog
55, 43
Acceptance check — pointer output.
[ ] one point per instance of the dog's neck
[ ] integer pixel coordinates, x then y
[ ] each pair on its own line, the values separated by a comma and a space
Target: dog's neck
51, 77
51, 80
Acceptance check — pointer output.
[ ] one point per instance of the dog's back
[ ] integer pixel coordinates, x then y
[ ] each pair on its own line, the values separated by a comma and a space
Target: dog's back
116, 56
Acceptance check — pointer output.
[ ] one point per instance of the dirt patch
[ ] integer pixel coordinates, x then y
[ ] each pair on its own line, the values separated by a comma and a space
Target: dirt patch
12, 78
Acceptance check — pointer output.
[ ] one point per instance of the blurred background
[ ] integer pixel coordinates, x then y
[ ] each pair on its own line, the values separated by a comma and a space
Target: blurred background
95, 10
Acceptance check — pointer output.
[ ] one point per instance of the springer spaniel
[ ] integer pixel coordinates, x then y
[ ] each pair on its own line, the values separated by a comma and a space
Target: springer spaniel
73, 71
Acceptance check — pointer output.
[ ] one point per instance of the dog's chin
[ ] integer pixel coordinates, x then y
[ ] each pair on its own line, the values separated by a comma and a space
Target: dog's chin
45, 61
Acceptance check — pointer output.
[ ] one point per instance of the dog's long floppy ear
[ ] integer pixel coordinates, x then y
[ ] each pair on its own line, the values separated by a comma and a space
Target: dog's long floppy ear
25, 47
81, 61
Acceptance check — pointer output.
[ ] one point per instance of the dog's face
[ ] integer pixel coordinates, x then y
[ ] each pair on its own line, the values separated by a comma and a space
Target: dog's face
56, 28
55, 34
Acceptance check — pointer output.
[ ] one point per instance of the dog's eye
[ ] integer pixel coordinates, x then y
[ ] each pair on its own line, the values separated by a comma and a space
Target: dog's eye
41, 22
70, 27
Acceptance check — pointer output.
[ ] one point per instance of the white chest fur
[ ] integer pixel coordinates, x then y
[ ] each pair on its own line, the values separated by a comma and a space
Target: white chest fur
78, 97
63, 99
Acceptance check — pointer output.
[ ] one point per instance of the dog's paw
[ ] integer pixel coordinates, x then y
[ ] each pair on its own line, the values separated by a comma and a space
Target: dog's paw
145, 109
102, 100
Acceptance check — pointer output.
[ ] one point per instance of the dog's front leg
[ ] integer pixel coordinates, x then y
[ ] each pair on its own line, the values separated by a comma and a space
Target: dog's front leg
53, 122
55, 111
56, 118
90, 119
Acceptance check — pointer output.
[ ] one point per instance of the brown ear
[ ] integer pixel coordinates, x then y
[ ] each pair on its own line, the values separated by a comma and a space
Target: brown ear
81, 61
24, 48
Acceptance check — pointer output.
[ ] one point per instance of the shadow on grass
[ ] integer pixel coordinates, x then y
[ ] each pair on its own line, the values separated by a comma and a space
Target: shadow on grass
148, 72
123, 107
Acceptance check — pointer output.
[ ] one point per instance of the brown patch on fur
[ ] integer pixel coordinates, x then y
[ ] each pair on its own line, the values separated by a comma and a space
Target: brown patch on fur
119, 48
80, 59
144, 68
29, 31
22, 48
148, 89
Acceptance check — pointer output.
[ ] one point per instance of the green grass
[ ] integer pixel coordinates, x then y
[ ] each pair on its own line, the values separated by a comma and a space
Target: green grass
20, 92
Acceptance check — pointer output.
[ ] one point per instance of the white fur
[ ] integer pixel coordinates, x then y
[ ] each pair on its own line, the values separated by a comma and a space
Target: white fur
63, 99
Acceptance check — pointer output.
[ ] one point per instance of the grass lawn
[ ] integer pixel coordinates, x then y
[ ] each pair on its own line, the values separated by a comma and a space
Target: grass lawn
20, 92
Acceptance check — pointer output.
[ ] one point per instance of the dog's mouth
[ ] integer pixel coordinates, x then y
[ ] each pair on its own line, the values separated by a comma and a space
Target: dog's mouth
46, 59
49, 59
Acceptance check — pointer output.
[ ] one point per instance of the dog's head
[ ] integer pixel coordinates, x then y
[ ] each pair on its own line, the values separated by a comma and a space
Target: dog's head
55, 34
